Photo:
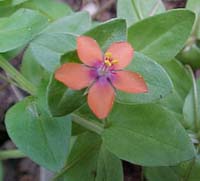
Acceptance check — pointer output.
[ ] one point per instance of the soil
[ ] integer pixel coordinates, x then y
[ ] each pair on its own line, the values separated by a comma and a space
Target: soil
25, 169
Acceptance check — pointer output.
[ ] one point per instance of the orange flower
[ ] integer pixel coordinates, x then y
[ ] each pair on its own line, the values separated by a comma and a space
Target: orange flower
102, 74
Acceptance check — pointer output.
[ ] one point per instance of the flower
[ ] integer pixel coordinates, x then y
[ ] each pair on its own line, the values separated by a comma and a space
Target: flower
102, 74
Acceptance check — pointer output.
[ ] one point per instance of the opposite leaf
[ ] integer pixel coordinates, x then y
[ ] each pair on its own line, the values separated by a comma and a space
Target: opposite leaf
33, 71
52, 9
62, 100
161, 174
90, 161
194, 5
185, 171
20, 28
45, 52
43, 48
76, 23
191, 107
161, 37
107, 33
148, 135
16, 2
135, 10
41, 137
158, 82
174, 102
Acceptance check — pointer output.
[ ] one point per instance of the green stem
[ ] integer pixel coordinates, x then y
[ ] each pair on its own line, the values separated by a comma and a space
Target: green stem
7, 80
11, 154
94, 127
21, 81
195, 97
189, 169
137, 11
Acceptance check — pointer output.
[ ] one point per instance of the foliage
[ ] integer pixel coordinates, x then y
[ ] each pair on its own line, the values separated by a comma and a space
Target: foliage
54, 126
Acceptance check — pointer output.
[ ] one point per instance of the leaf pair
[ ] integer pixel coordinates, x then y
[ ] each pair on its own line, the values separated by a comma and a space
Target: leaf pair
150, 134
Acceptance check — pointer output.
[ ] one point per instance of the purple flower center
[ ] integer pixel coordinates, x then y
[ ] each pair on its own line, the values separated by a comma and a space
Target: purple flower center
104, 70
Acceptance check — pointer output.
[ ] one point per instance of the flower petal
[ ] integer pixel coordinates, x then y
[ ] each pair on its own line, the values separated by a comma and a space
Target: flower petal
73, 75
88, 50
130, 82
100, 99
123, 52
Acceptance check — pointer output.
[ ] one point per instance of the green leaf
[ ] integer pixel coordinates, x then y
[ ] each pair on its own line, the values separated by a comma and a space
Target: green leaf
193, 5
86, 113
189, 170
148, 135
43, 48
30, 69
51, 8
161, 174
162, 36
16, 2
90, 161
158, 82
108, 166
190, 54
189, 107
18, 29
103, 35
185, 171
135, 10
62, 100
69, 24
174, 102
13, 53
45, 52
36, 133
6, 10
177, 72
12, 2
107, 33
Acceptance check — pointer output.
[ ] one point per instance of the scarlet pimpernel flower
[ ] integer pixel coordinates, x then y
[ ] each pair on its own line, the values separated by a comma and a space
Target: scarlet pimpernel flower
102, 74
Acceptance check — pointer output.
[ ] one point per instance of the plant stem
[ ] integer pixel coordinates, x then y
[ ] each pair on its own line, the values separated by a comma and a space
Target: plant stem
7, 80
137, 11
21, 81
195, 98
189, 169
94, 127
11, 154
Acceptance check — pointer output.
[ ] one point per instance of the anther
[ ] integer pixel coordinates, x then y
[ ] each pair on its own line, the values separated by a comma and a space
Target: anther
108, 63
114, 61
108, 55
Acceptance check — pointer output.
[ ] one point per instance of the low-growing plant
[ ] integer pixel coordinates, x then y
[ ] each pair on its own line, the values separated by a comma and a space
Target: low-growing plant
99, 93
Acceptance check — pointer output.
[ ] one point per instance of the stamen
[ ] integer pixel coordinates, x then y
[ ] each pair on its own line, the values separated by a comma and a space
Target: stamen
114, 61
108, 55
108, 59
108, 63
